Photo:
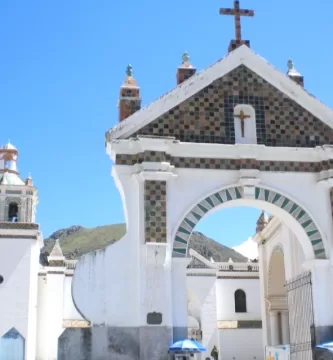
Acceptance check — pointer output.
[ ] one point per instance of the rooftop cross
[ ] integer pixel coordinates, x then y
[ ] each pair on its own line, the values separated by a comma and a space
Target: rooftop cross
237, 13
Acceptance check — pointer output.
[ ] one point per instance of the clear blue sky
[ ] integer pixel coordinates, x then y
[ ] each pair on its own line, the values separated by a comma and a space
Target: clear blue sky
62, 63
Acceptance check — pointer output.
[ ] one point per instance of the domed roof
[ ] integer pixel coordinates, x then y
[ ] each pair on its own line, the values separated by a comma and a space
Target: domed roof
9, 146
10, 179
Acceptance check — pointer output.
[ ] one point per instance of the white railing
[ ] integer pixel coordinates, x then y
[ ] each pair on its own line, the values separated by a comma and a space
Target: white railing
71, 264
231, 266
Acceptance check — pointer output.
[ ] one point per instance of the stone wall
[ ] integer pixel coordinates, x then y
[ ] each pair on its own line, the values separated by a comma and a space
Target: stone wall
116, 343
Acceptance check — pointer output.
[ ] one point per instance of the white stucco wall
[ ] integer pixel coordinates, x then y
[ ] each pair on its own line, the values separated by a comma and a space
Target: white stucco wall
225, 289
241, 344
105, 301
203, 296
18, 293
69, 310
55, 304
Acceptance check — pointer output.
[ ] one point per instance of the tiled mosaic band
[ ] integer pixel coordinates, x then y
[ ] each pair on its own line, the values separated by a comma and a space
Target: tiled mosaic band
155, 211
223, 164
200, 210
208, 116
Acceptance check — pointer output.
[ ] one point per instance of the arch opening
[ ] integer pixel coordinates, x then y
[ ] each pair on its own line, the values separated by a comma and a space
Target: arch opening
291, 213
276, 300
13, 210
240, 301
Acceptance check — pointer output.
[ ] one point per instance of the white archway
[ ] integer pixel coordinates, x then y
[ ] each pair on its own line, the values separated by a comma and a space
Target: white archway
295, 216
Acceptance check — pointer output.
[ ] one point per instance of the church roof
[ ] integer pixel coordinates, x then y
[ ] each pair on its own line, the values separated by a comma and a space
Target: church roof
8, 178
241, 56
56, 251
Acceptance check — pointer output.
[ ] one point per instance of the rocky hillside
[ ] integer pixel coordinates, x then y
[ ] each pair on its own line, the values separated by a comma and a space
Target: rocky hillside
77, 240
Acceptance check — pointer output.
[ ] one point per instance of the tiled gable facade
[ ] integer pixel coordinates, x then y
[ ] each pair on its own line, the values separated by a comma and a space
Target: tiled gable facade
208, 116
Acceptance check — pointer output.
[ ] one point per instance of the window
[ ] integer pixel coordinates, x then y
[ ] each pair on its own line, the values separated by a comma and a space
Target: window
13, 212
240, 301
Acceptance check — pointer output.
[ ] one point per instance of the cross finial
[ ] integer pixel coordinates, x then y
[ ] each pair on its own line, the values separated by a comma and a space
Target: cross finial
290, 64
237, 13
129, 70
185, 57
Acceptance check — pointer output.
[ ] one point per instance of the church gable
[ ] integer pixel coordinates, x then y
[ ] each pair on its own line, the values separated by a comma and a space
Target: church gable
241, 107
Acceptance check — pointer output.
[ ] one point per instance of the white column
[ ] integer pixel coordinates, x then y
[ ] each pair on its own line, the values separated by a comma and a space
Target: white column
285, 327
263, 292
179, 298
274, 320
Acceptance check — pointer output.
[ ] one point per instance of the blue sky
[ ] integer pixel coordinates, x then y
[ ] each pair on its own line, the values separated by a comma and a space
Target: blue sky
62, 63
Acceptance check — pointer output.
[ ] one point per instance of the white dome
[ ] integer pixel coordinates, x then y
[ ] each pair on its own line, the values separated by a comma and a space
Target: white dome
9, 146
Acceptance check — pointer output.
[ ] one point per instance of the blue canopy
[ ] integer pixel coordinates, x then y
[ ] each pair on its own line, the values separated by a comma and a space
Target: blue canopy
326, 346
187, 345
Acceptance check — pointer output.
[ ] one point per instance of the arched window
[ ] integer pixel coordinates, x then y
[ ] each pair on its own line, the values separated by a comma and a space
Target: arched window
240, 301
13, 212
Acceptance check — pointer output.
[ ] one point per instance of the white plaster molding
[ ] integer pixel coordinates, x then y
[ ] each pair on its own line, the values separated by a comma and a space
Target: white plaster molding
277, 303
154, 175
241, 56
221, 151
154, 167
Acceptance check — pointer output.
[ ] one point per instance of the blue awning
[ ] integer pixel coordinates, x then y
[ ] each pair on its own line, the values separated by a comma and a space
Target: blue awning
187, 345
326, 346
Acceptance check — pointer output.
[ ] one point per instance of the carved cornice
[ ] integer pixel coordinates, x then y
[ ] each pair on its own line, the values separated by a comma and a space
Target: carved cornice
18, 226
75, 324
277, 303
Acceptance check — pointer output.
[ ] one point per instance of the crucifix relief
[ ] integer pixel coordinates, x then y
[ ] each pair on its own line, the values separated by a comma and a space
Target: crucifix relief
237, 13
241, 116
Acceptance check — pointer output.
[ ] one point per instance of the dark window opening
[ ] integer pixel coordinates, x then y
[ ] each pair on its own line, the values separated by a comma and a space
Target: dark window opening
240, 301
13, 212
1, 279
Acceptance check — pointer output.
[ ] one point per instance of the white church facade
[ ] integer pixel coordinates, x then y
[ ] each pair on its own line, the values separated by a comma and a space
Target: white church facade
37, 303
239, 133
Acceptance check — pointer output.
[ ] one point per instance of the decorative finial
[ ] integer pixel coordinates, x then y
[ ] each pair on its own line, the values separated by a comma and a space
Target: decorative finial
186, 57
290, 65
129, 70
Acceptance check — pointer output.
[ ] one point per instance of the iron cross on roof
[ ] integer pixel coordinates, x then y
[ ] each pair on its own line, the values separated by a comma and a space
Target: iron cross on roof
237, 13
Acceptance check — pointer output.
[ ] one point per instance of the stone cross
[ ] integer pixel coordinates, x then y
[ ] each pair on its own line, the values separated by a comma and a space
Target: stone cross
237, 13
242, 117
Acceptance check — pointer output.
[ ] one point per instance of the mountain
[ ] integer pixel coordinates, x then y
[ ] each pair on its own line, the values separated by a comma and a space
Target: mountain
77, 240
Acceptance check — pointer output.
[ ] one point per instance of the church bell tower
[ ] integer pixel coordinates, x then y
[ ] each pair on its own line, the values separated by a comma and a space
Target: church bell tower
20, 244
18, 197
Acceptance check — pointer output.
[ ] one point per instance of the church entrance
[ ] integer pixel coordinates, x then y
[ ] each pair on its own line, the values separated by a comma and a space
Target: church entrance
287, 304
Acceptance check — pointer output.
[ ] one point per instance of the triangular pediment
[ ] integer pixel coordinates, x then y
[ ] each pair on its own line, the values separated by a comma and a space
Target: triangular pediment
200, 109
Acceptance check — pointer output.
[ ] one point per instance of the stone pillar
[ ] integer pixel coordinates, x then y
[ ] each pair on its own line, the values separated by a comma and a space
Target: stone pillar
285, 327
274, 320
263, 292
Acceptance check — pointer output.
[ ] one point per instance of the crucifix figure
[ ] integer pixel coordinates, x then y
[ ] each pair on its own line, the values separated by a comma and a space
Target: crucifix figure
241, 116
237, 13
